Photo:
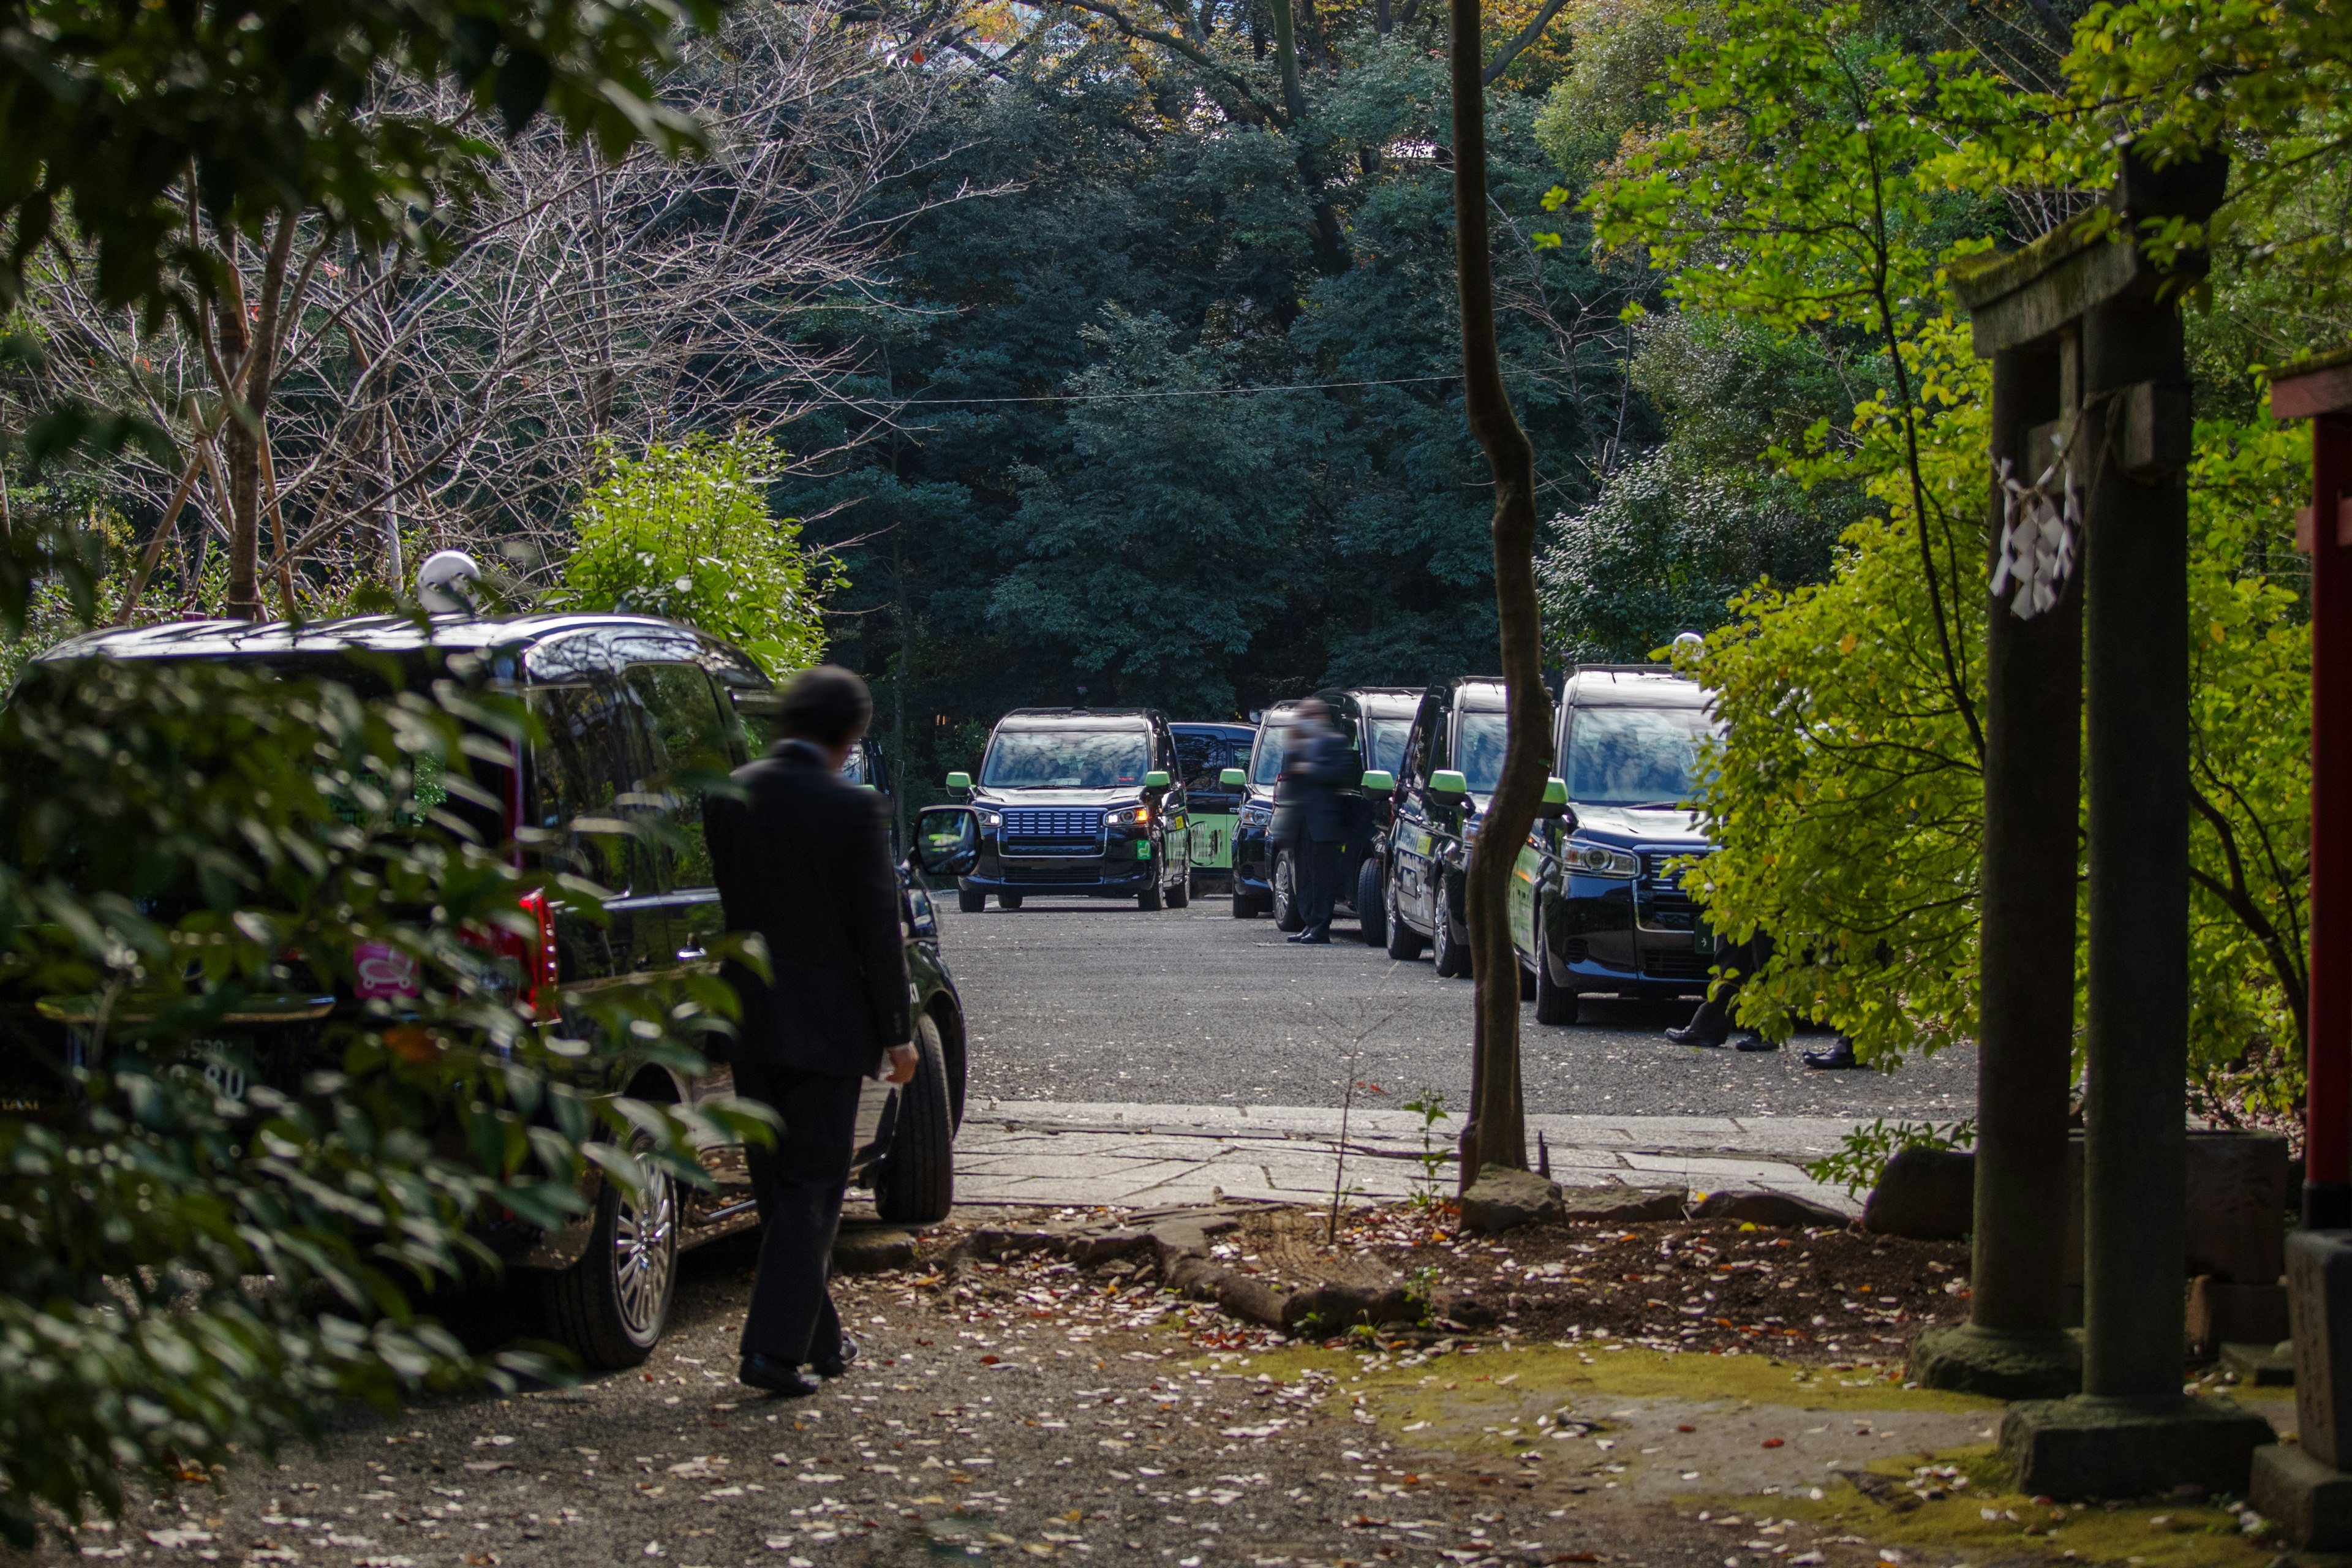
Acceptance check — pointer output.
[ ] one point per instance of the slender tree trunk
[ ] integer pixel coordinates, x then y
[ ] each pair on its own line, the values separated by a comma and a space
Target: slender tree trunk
1496, 1134
246, 429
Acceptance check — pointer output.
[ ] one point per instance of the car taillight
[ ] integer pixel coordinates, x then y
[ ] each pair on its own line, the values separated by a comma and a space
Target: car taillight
529, 961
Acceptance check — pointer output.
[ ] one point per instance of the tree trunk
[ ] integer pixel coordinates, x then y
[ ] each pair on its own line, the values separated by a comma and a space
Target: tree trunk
245, 430
1497, 1132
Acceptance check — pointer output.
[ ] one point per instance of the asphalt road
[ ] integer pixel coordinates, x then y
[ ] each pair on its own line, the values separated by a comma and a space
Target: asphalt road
1083, 1000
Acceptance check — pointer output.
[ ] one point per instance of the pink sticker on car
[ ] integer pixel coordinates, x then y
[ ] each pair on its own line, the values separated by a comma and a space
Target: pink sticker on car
385, 972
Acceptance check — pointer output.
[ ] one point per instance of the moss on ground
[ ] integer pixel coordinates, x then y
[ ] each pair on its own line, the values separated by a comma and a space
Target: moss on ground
2159, 1535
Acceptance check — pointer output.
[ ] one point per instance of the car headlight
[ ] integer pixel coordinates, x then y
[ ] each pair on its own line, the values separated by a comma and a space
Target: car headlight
1128, 816
991, 820
1256, 815
1600, 861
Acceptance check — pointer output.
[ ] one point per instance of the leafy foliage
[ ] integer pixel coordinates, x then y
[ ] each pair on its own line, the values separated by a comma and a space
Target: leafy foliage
1862, 1156
199, 1254
109, 107
684, 533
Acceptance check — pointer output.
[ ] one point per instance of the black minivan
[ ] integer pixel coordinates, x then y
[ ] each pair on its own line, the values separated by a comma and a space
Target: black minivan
1373, 722
1597, 906
1078, 800
630, 706
1453, 760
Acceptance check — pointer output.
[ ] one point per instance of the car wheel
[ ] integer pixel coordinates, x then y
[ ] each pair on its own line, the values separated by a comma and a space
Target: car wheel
1370, 910
916, 1183
610, 1308
1404, 943
971, 900
1152, 898
1179, 893
1009, 901
1555, 1002
1285, 892
1453, 951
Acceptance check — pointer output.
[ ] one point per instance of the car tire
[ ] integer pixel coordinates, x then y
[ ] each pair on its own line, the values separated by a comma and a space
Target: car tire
915, 1184
1179, 892
1404, 943
1527, 982
1009, 901
971, 900
1555, 1002
1285, 878
1372, 910
610, 1308
1452, 948
1153, 897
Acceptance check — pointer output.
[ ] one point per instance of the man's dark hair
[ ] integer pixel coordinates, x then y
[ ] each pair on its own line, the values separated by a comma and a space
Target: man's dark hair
828, 705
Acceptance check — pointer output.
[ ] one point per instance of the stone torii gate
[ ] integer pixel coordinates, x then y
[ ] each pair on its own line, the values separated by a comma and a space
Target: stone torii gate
2087, 636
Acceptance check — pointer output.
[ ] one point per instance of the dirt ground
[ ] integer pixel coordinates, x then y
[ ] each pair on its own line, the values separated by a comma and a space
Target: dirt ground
1662, 1396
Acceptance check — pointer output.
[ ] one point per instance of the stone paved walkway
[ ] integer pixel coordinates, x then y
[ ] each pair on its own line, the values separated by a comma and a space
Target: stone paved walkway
1043, 1152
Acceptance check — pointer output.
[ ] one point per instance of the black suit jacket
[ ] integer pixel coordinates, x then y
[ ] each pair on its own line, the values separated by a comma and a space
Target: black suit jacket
805, 862
1317, 772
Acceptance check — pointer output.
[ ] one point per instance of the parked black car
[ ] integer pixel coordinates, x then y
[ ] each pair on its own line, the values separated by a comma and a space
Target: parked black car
1597, 907
1373, 722
1453, 760
1205, 755
1080, 801
630, 705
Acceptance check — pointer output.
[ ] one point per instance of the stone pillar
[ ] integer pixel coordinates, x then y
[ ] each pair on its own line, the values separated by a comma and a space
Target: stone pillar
2135, 554
2014, 1345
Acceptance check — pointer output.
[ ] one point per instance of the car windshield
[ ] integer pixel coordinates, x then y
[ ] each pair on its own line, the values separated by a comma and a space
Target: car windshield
1634, 756
1478, 754
1273, 747
1062, 758
1387, 750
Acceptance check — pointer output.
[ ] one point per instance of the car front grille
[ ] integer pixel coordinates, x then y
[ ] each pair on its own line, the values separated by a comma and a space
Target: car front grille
1656, 864
1049, 873
1052, 831
1674, 966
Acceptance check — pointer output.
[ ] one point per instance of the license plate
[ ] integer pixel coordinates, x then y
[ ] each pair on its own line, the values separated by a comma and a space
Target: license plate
227, 1065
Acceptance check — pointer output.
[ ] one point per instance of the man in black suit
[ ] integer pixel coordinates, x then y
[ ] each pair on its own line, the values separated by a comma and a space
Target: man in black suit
803, 860
1318, 767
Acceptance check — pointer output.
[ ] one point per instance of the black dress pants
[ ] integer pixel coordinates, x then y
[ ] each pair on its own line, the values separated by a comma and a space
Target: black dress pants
1738, 960
1318, 881
799, 1184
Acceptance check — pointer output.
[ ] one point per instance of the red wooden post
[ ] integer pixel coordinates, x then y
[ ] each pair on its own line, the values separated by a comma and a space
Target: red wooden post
2323, 393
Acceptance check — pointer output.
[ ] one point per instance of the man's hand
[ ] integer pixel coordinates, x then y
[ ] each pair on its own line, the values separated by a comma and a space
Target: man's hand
902, 1059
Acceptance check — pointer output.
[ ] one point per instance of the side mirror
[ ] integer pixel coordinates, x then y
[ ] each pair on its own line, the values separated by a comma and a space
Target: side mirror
1233, 778
947, 840
1554, 805
1446, 781
1156, 779
1378, 780
960, 782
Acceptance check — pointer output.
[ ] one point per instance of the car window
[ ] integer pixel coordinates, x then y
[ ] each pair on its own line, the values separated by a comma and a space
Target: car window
1478, 751
590, 768
1272, 749
1387, 750
1065, 758
1633, 757
689, 731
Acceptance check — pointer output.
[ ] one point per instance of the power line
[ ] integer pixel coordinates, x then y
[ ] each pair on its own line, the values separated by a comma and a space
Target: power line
1132, 397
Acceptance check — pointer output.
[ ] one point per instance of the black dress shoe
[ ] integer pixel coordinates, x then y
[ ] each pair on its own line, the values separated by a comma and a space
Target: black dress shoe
1694, 1036
1321, 936
836, 1363
778, 1377
1840, 1055
1296, 936
1749, 1040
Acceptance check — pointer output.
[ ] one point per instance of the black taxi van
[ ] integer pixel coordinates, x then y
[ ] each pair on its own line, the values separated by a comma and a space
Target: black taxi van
1372, 721
1453, 760
1597, 906
1081, 802
629, 705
